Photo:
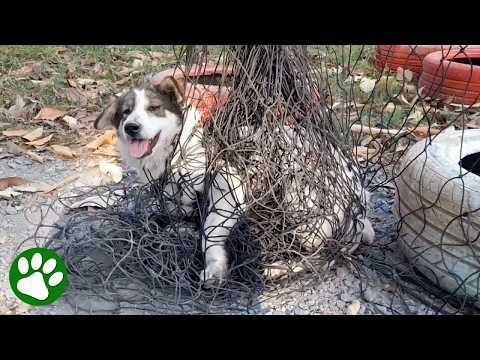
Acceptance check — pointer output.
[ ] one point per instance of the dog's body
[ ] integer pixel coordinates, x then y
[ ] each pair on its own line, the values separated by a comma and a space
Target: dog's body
155, 127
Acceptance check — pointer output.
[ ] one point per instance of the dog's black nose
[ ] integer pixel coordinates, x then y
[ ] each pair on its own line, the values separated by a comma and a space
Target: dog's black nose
132, 129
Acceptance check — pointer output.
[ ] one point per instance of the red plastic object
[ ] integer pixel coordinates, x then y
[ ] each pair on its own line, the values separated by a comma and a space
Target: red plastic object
452, 75
205, 98
209, 98
408, 56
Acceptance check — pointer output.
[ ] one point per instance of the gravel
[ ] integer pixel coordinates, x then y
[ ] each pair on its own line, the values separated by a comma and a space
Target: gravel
337, 292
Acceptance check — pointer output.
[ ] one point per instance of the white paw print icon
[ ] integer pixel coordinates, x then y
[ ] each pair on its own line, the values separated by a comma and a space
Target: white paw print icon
34, 285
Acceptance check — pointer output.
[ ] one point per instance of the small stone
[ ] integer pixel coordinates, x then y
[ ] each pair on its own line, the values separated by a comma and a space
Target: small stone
369, 295
10, 210
342, 272
346, 297
353, 308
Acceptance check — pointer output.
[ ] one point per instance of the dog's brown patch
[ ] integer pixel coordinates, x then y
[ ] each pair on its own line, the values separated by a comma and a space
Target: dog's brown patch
167, 95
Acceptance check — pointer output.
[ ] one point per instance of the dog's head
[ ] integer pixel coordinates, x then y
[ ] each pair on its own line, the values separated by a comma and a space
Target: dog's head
146, 117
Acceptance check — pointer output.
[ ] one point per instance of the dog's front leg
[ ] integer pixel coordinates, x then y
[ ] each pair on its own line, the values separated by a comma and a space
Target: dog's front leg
226, 202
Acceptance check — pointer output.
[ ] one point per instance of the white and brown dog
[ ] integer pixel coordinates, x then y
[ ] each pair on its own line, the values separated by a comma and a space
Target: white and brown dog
157, 129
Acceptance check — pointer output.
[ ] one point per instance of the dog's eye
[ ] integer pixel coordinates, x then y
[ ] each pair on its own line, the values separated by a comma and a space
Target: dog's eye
126, 112
153, 108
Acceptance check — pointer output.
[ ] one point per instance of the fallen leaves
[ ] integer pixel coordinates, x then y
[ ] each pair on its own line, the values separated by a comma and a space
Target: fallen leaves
107, 138
11, 187
13, 148
15, 133
40, 142
62, 183
17, 150
62, 151
32, 187
34, 135
28, 70
11, 181
49, 113
107, 150
404, 75
422, 132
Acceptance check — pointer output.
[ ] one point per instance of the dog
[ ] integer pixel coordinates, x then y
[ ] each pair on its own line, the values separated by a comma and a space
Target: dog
157, 128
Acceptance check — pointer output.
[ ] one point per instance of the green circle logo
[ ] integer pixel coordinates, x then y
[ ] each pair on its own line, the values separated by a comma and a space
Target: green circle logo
38, 276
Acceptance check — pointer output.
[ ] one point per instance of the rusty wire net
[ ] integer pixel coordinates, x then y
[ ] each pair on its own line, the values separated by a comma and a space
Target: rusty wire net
301, 130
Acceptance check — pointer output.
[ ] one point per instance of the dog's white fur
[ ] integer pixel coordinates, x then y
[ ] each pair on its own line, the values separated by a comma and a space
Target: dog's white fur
188, 164
225, 195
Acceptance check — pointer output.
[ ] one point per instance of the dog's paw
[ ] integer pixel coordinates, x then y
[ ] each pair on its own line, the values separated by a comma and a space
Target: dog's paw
214, 274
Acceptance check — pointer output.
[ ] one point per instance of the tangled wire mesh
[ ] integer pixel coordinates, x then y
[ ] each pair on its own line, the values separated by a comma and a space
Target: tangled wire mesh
301, 131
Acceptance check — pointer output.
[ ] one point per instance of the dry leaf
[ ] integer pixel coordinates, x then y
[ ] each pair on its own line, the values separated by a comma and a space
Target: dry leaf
34, 135
48, 113
367, 85
24, 71
404, 74
63, 151
91, 178
72, 83
62, 183
11, 181
34, 156
71, 121
40, 142
75, 96
364, 152
96, 161
8, 194
95, 144
423, 131
107, 138
32, 187
113, 171
107, 150
13, 148
15, 133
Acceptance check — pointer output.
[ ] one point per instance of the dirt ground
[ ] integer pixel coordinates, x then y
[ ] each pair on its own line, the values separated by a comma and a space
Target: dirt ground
62, 89
338, 292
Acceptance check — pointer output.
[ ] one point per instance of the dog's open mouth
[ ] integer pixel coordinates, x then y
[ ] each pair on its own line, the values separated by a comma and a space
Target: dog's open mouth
139, 148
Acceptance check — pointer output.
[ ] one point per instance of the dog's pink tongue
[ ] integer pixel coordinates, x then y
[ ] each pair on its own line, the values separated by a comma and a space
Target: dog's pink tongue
138, 148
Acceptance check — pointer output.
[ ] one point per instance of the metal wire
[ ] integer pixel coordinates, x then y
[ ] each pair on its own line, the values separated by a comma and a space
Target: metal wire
291, 123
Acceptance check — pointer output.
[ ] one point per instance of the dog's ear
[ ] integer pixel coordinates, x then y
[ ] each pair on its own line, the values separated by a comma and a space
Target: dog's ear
171, 87
107, 118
